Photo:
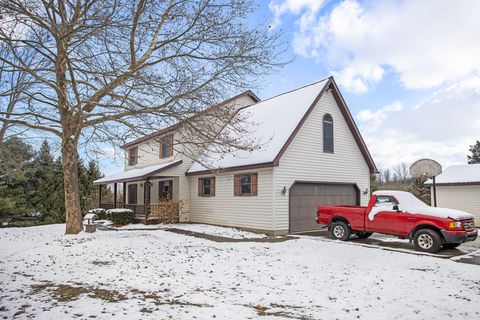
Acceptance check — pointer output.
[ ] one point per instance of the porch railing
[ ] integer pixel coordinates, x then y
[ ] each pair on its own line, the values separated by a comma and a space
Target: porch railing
165, 211
143, 209
110, 205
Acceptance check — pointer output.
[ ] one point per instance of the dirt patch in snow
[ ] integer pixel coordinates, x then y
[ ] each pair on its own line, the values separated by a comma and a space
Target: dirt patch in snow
66, 292
279, 310
102, 263
217, 238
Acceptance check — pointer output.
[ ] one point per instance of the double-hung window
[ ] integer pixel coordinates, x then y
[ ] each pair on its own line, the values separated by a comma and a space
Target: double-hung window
246, 184
206, 187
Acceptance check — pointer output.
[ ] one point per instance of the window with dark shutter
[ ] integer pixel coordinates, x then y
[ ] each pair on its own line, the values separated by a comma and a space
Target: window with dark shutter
327, 133
246, 184
166, 146
132, 156
206, 187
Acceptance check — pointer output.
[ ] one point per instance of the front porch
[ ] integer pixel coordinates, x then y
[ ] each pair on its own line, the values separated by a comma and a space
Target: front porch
153, 213
152, 197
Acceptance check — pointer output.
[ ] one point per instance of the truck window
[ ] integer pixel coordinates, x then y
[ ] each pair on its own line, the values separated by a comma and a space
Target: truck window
384, 200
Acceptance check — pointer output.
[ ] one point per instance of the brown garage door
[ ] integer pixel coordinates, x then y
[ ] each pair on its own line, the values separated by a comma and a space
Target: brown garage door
306, 197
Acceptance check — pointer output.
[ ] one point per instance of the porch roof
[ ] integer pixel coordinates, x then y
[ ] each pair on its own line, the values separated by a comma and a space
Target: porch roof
137, 174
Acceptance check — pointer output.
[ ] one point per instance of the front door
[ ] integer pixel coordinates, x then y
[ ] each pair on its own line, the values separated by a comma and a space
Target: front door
384, 219
132, 193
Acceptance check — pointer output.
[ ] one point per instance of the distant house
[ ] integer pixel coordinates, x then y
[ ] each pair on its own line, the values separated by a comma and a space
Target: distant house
315, 156
458, 187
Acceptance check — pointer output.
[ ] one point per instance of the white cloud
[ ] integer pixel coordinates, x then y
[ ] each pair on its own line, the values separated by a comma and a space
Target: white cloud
427, 43
308, 8
376, 118
441, 127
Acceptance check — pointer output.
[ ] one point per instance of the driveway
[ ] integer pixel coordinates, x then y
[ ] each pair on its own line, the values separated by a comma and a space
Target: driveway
466, 253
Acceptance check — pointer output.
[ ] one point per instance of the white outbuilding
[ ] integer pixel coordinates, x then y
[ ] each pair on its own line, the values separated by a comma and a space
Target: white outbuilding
458, 187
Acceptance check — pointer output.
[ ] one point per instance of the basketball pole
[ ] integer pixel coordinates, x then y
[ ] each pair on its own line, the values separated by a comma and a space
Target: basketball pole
434, 193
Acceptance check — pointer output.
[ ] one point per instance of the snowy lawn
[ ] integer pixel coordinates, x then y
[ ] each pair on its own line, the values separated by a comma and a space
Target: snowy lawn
159, 275
200, 228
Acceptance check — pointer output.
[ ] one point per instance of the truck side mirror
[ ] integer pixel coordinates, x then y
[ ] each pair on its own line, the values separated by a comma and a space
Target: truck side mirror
395, 207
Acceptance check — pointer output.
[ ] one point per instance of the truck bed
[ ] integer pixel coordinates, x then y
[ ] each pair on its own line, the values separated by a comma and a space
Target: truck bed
355, 215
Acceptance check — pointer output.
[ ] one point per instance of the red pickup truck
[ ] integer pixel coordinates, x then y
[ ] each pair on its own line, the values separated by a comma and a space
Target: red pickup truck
401, 214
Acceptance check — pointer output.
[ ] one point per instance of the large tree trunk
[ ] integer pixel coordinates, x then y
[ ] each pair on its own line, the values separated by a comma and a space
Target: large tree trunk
3, 130
72, 193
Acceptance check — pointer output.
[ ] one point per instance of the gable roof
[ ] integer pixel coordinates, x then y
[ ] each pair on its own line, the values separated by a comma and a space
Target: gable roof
277, 121
175, 126
463, 174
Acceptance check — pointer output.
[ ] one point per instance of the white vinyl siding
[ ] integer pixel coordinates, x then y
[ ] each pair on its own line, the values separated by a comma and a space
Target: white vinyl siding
305, 160
149, 154
253, 212
149, 151
465, 198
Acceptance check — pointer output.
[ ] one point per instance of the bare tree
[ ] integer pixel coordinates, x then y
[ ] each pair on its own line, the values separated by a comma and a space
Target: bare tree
13, 83
387, 176
107, 69
401, 172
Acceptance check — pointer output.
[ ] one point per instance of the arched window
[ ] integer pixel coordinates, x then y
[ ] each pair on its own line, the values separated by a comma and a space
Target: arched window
327, 133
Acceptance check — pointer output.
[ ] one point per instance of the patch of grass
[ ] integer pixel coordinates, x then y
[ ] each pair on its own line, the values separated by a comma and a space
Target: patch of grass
261, 310
66, 292
146, 310
102, 263
264, 311
36, 288
159, 301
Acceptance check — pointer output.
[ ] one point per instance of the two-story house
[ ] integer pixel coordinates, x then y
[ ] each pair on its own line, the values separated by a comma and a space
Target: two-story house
313, 155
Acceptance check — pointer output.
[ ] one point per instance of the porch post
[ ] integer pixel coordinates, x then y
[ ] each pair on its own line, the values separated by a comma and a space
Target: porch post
124, 193
115, 195
99, 195
146, 196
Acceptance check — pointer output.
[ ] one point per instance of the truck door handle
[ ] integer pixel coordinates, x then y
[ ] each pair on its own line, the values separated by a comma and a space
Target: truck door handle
413, 219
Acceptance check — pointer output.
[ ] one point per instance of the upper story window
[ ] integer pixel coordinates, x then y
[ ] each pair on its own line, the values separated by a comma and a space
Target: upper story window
327, 133
132, 156
246, 184
206, 187
166, 146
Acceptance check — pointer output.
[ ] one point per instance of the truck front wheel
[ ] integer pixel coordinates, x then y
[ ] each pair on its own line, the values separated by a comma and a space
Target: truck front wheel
427, 240
340, 230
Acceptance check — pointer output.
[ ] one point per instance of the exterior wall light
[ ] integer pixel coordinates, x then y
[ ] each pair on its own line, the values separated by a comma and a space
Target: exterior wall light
284, 191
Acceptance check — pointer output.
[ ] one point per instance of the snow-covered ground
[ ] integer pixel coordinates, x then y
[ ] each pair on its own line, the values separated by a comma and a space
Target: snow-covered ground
219, 231
160, 275
200, 228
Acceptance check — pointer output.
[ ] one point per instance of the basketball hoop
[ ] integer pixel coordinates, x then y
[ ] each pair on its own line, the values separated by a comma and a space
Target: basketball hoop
427, 168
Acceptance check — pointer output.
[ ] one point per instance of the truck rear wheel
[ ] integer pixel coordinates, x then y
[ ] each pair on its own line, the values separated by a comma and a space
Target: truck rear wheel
340, 230
427, 240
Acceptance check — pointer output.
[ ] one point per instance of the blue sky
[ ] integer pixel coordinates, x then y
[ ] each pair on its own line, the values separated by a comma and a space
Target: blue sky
409, 70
